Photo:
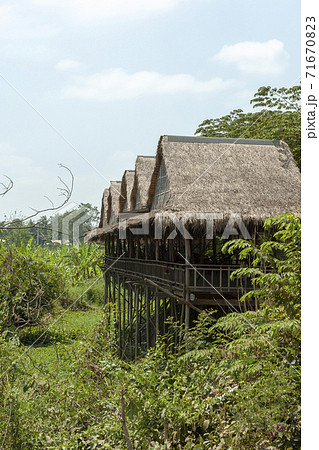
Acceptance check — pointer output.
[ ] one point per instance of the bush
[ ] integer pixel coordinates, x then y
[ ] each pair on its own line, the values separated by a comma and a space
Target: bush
30, 284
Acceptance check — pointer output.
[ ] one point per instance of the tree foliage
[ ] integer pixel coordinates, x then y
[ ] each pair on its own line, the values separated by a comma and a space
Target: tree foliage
42, 229
275, 264
279, 118
33, 279
234, 383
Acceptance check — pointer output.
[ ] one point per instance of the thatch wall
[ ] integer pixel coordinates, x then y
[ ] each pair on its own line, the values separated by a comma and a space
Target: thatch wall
144, 167
113, 202
104, 207
126, 189
254, 178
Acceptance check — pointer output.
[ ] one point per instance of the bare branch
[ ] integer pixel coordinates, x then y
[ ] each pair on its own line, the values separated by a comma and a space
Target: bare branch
65, 192
52, 204
7, 187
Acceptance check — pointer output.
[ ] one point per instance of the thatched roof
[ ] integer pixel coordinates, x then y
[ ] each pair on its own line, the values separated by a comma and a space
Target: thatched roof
254, 178
144, 167
113, 202
97, 234
126, 190
104, 207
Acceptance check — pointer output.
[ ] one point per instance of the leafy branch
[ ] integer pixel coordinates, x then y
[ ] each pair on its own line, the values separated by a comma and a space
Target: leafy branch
276, 264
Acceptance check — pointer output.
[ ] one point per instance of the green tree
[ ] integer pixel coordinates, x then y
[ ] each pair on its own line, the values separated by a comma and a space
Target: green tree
279, 118
275, 268
82, 209
16, 233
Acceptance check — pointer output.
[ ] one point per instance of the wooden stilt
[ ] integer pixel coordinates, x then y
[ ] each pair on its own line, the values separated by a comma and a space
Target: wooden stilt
147, 304
124, 317
187, 283
131, 321
119, 310
136, 321
157, 305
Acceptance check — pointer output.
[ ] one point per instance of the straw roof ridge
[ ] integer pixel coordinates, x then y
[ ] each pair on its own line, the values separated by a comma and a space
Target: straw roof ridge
256, 179
221, 140
113, 199
144, 166
104, 207
126, 189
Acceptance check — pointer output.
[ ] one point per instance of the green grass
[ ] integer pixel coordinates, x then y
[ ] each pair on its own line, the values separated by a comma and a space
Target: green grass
55, 344
58, 349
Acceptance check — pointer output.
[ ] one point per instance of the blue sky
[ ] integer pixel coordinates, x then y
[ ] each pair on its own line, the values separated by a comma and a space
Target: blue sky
111, 76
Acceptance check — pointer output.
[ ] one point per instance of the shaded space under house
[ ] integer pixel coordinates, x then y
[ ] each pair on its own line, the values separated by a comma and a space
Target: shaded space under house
167, 221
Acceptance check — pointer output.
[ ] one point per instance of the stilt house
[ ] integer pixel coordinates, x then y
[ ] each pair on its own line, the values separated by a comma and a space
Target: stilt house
166, 260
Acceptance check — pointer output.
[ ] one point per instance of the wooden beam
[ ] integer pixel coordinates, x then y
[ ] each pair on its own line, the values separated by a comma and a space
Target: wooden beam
172, 295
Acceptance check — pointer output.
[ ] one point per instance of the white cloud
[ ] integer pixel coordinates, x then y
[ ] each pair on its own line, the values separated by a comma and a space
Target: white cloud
116, 84
68, 64
86, 10
18, 23
21, 169
269, 58
123, 156
6, 13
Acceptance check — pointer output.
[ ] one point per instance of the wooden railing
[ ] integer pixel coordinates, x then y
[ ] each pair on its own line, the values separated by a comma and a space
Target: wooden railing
203, 278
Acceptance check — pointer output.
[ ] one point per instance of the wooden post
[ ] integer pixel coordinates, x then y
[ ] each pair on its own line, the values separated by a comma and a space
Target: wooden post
130, 244
214, 250
146, 248
106, 301
171, 328
147, 304
113, 245
123, 316
108, 244
187, 283
171, 250
137, 321
105, 275
164, 315
131, 320
156, 317
119, 310
202, 249
138, 248
114, 287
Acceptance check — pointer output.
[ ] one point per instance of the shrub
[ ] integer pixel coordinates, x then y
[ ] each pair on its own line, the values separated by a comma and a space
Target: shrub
30, 284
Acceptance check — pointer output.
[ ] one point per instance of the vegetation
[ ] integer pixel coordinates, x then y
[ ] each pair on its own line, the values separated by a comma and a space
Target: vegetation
234, 383
279, 118
33, 279
15, 230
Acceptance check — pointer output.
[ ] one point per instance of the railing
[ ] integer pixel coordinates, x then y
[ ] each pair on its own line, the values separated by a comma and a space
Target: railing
203, 278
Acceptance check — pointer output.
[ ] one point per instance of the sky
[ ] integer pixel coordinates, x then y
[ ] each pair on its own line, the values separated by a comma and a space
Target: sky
92, 84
